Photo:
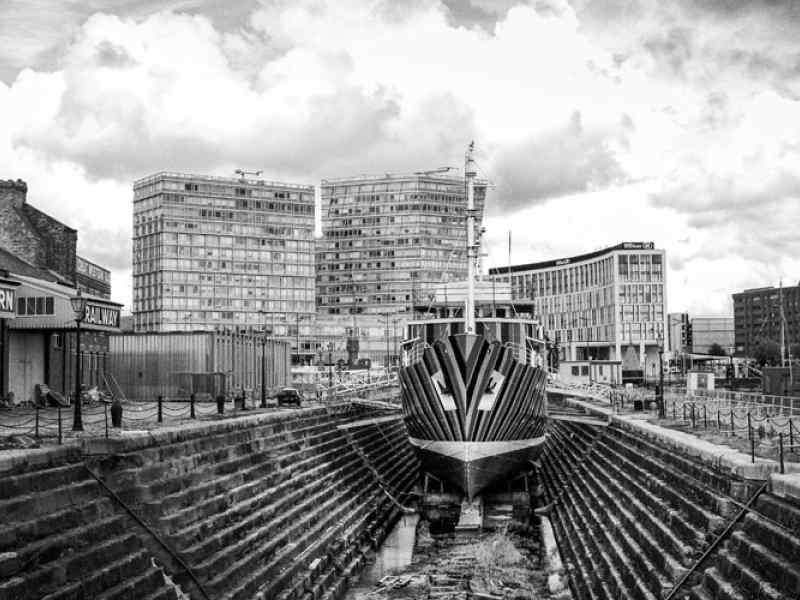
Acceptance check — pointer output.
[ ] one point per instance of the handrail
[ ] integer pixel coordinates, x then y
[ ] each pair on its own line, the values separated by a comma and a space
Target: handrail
149, 530
745, 508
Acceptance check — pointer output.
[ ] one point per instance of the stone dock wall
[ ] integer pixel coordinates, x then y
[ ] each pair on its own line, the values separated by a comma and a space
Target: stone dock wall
273, 505
635, 507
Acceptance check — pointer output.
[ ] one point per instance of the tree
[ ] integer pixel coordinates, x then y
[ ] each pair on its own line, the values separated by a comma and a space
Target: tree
716, 350
767, 352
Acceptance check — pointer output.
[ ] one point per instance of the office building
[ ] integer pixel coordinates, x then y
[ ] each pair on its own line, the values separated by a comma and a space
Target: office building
709, 331
604, 305
92, 278
760, 314
385, 240
210, 253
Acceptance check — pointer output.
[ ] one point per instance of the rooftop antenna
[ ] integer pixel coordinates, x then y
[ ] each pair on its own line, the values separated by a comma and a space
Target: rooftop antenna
243, 174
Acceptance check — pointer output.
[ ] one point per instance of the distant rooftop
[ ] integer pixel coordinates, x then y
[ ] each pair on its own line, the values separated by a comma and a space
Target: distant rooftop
218, 179
432, 174
571, 259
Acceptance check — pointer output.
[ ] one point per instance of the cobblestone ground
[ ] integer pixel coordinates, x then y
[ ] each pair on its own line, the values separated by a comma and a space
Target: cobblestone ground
466, 566
25, 427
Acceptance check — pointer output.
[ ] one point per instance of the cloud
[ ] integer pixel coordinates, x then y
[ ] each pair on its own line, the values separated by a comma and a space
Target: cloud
594, 119
559, 162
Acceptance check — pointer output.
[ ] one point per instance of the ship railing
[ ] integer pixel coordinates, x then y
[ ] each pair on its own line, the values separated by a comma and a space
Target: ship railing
412, 351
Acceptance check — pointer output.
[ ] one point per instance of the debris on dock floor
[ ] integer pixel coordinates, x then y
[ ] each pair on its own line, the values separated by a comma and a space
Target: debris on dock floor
467, 566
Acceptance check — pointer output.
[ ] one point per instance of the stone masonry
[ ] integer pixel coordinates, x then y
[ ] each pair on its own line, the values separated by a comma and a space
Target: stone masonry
32, 235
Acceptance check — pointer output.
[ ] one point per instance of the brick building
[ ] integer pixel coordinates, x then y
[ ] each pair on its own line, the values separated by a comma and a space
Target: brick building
759, 313
40, 272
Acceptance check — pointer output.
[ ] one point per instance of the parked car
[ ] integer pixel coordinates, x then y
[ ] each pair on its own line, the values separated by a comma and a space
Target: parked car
289, 396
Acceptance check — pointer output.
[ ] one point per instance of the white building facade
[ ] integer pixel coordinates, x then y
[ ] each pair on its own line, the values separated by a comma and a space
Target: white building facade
604, 305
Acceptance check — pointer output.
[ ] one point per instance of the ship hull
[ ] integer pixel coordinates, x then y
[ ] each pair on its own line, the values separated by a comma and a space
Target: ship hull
475, 466
475, 410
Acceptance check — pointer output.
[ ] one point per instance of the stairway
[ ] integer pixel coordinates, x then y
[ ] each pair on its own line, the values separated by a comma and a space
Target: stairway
284, 509
632, 517
62, 538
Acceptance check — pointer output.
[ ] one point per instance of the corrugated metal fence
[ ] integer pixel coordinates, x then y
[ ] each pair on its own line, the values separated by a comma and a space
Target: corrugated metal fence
174, 365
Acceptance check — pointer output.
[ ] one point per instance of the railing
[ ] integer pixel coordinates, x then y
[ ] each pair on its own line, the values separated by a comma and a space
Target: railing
786, 404
739, 419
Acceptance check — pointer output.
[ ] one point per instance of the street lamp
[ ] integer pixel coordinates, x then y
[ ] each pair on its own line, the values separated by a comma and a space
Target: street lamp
661, 407
264, 360
78, 303
731, 350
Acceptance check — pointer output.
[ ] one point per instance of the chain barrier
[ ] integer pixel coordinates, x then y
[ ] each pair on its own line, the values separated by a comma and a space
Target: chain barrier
754, 423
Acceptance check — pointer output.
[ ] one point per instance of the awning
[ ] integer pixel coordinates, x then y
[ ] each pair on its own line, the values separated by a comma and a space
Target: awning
46, 305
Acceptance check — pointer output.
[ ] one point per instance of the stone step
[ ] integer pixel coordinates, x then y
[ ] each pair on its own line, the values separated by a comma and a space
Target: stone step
41, 480
657, 566
691, 468
209, 485
170, 489
20, 533
224, 540
33, 505
647, 508
745, 578
230, 563
340, 464
776, 538
255, 481
599, 524
781, 510
770, 566
61, 570
698, 499
674, 527
254, 570
314, 544
103, 576
592, 574
148, 581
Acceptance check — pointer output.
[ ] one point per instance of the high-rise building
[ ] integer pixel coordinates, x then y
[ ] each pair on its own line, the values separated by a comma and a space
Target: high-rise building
386, 240
604, 305
212, 252
764, 315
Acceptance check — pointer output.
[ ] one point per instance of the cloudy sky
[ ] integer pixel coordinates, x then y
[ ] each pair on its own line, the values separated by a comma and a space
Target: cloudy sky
597, 121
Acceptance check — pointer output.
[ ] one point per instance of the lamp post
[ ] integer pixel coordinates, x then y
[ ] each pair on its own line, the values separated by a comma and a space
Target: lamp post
731, 350
78, 303
661, 408
263, 313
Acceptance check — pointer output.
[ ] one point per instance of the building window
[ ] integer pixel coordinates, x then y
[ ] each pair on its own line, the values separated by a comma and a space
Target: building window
575, 371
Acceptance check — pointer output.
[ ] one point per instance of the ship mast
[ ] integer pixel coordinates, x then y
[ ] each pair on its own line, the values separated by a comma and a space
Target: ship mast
472, 248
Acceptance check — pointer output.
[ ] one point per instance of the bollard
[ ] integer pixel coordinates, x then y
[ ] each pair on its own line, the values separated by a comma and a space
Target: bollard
37, 422
160, 409
673, 410
683, 410
105, 415
719, 423
59, 425
116, 413
705, 417
693, 419
733, 426
780, 449
191, 406
220, 404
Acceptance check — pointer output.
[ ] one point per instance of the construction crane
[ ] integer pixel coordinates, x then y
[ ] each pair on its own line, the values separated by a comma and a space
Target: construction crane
439, 170
244, 173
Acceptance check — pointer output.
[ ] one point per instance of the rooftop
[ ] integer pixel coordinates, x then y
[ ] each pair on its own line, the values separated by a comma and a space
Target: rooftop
571, 259
218, 179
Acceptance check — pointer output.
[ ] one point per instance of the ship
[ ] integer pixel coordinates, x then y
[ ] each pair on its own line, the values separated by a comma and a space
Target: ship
472, 380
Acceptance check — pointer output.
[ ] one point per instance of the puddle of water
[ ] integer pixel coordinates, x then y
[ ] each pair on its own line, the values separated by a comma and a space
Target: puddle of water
395, 554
